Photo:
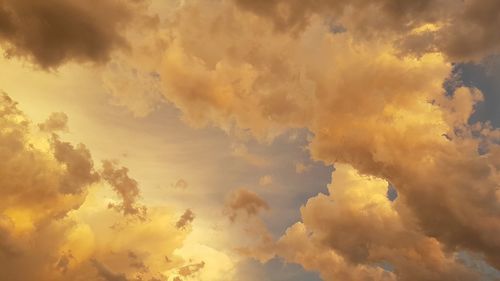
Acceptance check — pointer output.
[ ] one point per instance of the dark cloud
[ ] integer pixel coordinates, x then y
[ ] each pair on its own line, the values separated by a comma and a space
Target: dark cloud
244, 201
466, 30
79, 166
127, 188
472, 33
55, 31
360, 15
186, 219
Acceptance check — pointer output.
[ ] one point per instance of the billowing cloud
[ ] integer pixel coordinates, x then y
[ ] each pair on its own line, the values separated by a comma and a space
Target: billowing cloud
53, 224
364, 77
354, 231
463, 30
470, 34
267, 66
42, 178
56, 31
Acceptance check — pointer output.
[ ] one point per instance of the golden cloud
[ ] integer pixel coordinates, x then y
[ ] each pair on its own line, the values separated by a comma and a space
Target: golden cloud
268, 66
54, 224
364, 77
244, 201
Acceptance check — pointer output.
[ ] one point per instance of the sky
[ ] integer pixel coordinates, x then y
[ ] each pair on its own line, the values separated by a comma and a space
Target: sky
245, 140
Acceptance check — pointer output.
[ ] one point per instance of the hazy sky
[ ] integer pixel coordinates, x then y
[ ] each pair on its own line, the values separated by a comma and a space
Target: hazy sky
249, 140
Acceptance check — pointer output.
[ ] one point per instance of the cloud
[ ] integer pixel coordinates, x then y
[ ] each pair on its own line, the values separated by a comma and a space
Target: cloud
53, 32
191, 269
354, 231
78, 163
366, 79
470, 34
43, 177
463, 30
268, 66
106, 273
54, 224
133, 85
244, 201
185, 220
57, 121
126, 187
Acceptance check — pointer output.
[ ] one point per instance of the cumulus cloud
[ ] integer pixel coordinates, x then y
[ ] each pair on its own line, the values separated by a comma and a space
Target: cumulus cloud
463, 30
268, 66
388, 14
42, 178
364, 77
54, 227
471, 32
56, 31
359, 230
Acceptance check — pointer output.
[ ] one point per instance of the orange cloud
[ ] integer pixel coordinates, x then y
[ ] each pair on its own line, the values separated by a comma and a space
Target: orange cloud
365, 78
126, 187
186, 219
275, 65
57, 121
244, 201
53, 32
54, 224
